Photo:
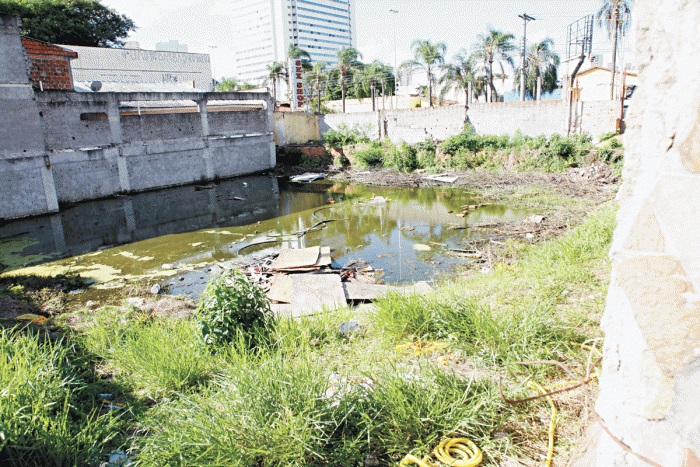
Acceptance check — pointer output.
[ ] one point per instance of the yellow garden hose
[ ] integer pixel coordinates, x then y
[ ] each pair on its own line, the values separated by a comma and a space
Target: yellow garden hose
455, 452
552, 423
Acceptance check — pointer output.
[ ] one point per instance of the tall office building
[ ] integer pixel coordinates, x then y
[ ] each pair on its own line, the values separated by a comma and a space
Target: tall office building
264, 29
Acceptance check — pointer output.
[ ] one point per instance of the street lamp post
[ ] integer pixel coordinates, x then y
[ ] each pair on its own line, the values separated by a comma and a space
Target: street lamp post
396, 69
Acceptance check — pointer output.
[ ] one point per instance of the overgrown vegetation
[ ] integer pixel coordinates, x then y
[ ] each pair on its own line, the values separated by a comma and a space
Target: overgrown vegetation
417, 370
233, 308
469, 150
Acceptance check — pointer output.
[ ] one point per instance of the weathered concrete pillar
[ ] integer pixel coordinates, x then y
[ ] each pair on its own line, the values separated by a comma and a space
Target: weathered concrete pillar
204, 116
115, 124
650, 385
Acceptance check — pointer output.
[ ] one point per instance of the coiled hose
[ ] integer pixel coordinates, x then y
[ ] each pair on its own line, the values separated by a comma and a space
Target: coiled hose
455, 452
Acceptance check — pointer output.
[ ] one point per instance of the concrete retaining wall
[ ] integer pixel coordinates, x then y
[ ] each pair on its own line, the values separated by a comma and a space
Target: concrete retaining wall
63, 146
650, 384
296, 128
530, 118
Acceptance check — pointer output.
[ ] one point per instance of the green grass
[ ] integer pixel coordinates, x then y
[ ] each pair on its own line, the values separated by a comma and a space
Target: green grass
154, 358
515, 312
43, 419
307, 394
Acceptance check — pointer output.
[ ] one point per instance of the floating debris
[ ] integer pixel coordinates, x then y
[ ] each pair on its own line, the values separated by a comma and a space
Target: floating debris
307, 177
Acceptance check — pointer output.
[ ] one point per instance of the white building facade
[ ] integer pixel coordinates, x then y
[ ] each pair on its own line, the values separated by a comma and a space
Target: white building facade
263, 30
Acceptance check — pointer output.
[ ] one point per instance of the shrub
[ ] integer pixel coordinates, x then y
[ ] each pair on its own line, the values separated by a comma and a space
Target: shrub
369, 154
232, 306
425, 154
402, 157
344, 135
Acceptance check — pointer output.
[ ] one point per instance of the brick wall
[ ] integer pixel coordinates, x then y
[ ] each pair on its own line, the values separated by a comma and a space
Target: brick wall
49, 65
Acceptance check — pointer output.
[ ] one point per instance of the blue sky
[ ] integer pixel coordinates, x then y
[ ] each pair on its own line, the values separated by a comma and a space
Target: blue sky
205, 23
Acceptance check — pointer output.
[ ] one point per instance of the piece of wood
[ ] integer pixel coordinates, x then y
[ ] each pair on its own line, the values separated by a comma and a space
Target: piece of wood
362, 291
296, 258
324, 258
305, 294
281, 289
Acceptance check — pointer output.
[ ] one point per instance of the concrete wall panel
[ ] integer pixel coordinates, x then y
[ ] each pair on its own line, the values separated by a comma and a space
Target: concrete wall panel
147, 127
81, 175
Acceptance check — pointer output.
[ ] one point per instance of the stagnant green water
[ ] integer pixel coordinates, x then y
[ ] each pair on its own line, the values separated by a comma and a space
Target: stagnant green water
164, 234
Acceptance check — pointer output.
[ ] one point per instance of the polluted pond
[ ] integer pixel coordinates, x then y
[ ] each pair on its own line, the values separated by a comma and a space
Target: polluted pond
174, 240
158, 349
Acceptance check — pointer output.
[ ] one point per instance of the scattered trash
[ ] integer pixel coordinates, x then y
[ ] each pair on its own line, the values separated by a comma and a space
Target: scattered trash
529, 236
445, 178
407, 228
32, 318
197, 244
91, 305
168, 266
349, 327
371, 460
421, 247
535, 219
155, 290
307, 177
119, 458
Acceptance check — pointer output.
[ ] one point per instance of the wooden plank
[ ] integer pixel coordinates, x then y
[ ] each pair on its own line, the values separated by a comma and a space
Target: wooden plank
296, 258
308, 294
362, 291
324, 259
281, 289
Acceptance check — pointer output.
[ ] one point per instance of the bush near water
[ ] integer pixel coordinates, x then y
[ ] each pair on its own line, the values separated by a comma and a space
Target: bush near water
469, 150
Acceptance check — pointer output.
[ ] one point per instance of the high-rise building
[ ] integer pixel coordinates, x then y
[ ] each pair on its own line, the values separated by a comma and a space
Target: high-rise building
264, 29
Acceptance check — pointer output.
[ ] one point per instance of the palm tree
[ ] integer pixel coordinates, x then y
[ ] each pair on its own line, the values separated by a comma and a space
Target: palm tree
541, 72
495, 46
462, 74
614, 14
428, 56
275, 71
372, 75
347, 61
316, 77
295, 52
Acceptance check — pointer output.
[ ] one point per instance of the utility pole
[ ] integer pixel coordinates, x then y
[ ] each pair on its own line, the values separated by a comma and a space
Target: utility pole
526, 18
396, 69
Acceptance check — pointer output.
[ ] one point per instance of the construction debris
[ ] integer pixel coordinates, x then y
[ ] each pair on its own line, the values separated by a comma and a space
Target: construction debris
307, 293
445, 178
307, 177
302, 260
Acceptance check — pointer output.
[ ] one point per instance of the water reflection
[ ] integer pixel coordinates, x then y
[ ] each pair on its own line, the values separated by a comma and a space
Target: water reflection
182, 228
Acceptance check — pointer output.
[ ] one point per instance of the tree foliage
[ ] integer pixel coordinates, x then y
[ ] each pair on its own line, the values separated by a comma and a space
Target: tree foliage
494, 46
72, 22
463, 71
348, 60
231, 85
427, 56
542, 63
